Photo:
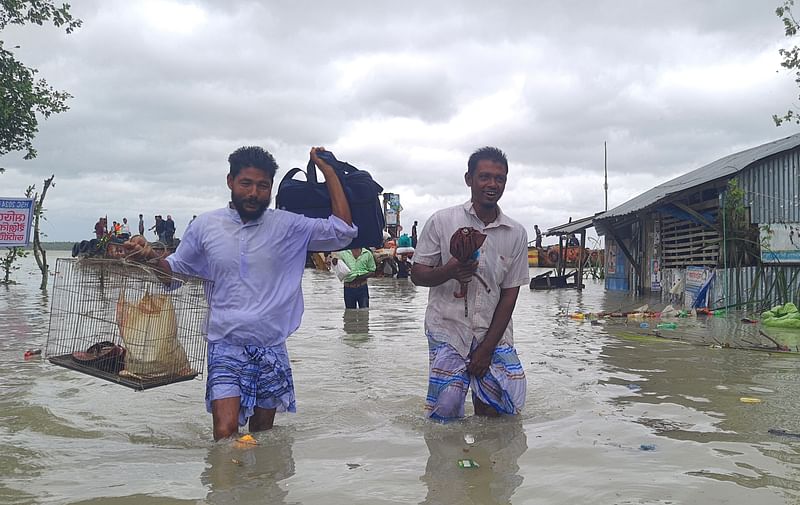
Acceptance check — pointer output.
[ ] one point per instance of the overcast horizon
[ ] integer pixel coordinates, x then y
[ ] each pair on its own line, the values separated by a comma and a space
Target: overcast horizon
164, 91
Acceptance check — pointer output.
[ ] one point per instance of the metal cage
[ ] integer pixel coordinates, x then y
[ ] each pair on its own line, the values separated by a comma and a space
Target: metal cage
127, 323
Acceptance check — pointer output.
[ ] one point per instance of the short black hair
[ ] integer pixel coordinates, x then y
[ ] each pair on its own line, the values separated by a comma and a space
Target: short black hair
252, 156
486, 153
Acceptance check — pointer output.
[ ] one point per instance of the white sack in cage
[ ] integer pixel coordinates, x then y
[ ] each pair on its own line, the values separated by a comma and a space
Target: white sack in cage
149, 330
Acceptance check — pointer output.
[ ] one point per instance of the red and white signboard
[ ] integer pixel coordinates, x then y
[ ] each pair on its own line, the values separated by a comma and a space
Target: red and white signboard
16, 218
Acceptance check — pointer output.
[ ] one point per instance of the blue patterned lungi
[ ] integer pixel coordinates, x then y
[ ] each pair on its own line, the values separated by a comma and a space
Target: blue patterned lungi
503, 387
259, 376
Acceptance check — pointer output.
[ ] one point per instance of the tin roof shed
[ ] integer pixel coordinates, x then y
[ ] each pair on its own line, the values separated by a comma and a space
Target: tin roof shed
722, 168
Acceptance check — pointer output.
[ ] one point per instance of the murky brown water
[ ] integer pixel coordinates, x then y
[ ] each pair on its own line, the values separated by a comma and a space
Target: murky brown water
359, 436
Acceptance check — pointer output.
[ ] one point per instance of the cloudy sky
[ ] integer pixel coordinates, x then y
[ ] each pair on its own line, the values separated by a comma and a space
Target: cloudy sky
164, 90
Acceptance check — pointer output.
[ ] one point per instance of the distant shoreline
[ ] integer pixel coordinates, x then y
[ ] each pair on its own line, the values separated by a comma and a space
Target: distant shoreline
53, 246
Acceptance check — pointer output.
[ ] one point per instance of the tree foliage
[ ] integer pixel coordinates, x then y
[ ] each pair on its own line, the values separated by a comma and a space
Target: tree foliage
7, 263
22, 96
791, 56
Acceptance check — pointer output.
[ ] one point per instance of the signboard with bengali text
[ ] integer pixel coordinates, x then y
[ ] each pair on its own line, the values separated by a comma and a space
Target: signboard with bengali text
16, 220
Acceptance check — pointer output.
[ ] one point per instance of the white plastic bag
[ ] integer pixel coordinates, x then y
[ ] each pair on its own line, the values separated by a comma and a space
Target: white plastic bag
340, 269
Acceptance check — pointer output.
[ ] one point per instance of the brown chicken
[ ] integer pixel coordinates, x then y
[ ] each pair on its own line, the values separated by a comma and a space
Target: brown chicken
463, 245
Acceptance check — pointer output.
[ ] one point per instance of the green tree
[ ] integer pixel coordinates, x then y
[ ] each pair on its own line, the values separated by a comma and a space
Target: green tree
22, 96
7, 263
791, 56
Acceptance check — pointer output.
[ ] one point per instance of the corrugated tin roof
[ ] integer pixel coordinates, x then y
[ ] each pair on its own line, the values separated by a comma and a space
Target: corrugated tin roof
723, 167
571, 227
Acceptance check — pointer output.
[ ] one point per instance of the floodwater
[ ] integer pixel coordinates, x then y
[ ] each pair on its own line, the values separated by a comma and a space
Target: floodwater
608, 420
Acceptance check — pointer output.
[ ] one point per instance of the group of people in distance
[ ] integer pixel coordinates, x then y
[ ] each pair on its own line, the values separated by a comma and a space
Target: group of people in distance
163, 228
256, 256
116, 230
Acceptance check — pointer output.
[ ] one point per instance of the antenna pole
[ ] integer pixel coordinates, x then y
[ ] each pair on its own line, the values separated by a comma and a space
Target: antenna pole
605, 169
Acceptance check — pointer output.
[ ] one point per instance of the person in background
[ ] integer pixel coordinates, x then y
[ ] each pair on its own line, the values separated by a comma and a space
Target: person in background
169, 230
572, 240
538, 236
255, 256
414, 234
403, 267
156, 226
159, 228
125, 230
100, 228
362, 266
141, 224
475, 352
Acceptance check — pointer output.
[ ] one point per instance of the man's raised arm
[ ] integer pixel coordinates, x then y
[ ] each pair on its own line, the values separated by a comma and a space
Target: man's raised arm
339, 204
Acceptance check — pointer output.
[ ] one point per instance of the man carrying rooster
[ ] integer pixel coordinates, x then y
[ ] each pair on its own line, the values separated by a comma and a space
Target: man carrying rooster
468, 324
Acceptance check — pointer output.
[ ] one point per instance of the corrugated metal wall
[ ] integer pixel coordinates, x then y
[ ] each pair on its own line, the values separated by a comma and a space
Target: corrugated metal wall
772, 189
758, 288
761, 287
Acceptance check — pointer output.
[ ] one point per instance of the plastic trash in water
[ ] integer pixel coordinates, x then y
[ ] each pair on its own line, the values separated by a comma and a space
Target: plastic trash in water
32, 353
748, 399
469, 439
666, 326
634, 387
720, 312
468, 463
644, 325
246, 440
647, 447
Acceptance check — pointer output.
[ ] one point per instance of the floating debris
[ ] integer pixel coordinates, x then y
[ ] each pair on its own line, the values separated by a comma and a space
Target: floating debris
246, 440
468, 463
783, 433
748, 399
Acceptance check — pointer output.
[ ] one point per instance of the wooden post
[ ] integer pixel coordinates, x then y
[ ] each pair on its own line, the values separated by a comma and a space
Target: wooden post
579, 280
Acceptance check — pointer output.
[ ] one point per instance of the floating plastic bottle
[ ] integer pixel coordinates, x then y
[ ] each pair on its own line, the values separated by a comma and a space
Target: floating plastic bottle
667, 326
644, 325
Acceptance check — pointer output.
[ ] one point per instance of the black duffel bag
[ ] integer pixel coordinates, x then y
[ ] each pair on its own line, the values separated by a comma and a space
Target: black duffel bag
311, 198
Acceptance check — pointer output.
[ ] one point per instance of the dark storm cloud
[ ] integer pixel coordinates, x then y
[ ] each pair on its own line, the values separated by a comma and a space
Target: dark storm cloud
164, 91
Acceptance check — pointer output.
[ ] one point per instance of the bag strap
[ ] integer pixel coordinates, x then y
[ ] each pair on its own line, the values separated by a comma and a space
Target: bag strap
290, 174
311, 172
340, 167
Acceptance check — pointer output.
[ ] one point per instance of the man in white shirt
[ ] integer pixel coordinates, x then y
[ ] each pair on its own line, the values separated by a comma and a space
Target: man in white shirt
125, 230
475, 350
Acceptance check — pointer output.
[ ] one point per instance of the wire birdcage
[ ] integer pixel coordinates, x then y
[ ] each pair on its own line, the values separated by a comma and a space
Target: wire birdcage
127, 323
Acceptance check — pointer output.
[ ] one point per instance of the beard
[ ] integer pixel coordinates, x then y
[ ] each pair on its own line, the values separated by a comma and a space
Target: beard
249, 215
